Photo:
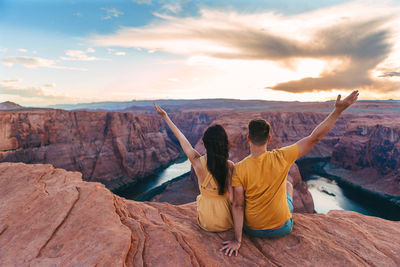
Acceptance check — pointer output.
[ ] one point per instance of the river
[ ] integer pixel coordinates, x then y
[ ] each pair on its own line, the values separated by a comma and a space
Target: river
326, 193
148, 187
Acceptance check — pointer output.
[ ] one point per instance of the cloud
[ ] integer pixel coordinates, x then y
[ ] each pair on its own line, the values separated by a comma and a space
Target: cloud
30, 92
173, 79
11, 81
3, 49
141, 2
22, 50
115, 52
350, 39
80, 55
50, 85
173, 7
391, 74
77, 14
111, 13
35, 62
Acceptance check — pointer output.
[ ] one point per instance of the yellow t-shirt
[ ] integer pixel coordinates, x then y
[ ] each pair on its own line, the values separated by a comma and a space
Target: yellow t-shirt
264, 182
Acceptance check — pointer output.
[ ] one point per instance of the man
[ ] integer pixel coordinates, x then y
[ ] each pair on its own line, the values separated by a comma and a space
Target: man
262, 196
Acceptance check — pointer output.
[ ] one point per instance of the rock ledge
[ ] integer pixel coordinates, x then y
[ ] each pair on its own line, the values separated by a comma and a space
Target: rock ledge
51, 217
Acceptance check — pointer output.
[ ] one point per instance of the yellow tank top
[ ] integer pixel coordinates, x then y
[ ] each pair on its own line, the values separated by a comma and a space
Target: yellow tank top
213, 210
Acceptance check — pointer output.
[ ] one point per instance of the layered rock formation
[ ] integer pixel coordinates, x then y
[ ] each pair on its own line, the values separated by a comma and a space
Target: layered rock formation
192, 124
369, 151
8, 105
110, 147
50, 217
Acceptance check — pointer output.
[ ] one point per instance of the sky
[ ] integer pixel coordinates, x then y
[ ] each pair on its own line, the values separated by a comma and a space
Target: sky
65, 52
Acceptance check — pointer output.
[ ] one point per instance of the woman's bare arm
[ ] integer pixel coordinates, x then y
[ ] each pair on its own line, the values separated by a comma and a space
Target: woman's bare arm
190, 152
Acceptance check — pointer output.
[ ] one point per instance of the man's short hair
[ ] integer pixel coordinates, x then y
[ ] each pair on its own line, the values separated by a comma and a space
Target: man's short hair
259, 131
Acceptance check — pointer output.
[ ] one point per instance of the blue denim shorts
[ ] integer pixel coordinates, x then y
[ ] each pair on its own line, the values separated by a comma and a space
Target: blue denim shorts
284, 230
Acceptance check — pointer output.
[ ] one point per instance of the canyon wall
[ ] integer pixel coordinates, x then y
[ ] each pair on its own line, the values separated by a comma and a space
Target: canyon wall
114, 148
50, 217
192, 124
369, 153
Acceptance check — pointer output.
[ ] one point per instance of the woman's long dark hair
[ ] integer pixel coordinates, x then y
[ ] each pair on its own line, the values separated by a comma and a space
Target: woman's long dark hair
216, 143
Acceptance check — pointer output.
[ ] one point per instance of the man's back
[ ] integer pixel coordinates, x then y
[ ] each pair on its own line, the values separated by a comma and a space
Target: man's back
264, 181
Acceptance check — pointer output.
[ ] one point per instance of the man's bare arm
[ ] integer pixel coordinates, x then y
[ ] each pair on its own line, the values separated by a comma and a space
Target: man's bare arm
231, 247
324, 127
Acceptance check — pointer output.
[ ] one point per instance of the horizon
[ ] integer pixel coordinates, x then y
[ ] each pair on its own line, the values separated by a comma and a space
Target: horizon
103, 104
68, 53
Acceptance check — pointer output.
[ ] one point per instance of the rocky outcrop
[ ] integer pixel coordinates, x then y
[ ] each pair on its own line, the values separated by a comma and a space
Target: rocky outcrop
110, 147
183, 191
50, 217
8, 105
369, 153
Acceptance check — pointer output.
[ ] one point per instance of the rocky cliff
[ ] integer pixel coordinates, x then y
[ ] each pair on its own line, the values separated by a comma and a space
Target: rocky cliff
110, 147
369, 153
50, 217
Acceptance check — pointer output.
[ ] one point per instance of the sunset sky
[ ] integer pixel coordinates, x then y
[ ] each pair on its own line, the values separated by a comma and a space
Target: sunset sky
55, 51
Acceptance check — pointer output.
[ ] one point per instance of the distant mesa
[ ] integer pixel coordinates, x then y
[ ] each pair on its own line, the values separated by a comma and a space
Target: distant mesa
8, 105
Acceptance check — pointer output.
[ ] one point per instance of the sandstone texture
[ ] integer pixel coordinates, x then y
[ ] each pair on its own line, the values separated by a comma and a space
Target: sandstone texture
114, 148
180, 192
50, 217
369, 153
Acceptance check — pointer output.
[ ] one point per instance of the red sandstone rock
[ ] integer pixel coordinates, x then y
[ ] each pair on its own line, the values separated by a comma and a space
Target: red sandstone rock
370, 152
50, 217
110, 147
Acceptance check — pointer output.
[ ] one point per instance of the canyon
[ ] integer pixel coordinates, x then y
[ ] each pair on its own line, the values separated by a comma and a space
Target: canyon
50, 217
114, 148
63, 213
119, 148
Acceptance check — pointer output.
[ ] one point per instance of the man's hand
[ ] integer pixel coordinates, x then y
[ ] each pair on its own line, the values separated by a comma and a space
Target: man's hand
230, 247
341, 105
160, 111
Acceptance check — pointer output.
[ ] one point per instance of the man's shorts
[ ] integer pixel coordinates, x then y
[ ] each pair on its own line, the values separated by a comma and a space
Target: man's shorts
284, 230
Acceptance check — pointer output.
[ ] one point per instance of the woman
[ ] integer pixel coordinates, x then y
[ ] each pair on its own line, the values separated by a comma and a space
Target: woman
214, 173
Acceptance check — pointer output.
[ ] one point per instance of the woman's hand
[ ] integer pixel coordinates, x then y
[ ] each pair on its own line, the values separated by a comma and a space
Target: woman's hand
160, 111
230, 247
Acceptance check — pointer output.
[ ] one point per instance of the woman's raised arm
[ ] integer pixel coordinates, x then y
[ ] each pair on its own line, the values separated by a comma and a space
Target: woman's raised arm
190, 152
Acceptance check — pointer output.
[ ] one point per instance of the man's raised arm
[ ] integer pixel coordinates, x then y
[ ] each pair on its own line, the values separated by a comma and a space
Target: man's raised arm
324, 127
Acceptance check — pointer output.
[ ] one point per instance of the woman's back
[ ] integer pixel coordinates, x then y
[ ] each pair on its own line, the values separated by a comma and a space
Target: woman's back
213, 209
